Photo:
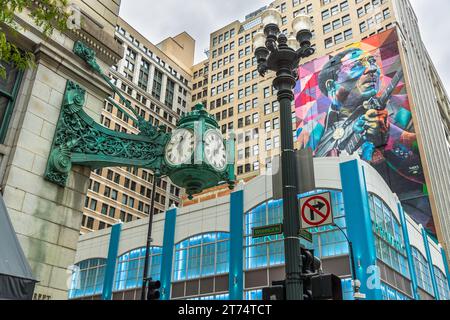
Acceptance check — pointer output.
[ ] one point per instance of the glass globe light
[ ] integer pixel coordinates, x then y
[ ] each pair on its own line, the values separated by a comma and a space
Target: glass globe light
259, 40
292, 42
271, 16
301, 23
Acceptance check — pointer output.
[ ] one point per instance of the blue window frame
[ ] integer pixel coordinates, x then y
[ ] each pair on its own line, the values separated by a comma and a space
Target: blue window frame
442, 284
422, 271
130, 268
202, 255
253, 294
389, 239
389, 293
87, 278
269, 251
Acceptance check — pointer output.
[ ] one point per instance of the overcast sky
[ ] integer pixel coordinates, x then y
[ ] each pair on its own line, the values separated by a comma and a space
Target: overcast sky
158, 20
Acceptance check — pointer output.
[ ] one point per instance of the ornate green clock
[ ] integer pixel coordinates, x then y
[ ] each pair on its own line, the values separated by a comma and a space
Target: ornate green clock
197, 156
194, 156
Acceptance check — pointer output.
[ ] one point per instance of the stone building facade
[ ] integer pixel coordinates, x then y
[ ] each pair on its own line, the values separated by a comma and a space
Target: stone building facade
47, 218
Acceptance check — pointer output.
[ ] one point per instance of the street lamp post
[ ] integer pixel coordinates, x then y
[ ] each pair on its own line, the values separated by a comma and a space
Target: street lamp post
276, 52
145, 279
355, 282
350, 250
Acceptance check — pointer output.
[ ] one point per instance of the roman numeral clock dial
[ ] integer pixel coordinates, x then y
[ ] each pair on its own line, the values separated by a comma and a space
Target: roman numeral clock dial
215, 153
180, 147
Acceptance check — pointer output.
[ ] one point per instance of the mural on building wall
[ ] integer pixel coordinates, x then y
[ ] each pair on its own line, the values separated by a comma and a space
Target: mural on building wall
355, 102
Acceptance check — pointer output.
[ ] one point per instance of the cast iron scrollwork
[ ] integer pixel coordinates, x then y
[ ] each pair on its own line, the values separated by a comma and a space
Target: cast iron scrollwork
79, 140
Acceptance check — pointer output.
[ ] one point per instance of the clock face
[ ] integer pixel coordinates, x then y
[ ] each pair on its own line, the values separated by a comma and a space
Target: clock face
180, 147
215, 152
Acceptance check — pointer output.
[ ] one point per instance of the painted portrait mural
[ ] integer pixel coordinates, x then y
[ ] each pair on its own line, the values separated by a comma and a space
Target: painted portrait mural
355, 102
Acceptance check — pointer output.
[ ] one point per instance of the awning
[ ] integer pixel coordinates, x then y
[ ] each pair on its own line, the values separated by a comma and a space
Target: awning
16, 280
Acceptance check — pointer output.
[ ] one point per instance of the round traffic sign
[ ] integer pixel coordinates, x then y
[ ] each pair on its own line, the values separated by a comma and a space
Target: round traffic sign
317, 206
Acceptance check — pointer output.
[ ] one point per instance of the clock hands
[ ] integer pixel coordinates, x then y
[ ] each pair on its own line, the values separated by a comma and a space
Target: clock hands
180, 147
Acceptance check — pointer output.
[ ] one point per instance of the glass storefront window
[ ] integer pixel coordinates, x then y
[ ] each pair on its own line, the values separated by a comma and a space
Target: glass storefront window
269, 251
87, 278
389, 240
442, 284
202, 255
388, 293
130, 268
253, 295
422, 271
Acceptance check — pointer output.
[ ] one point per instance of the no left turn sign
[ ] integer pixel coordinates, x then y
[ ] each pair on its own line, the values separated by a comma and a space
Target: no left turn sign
316, 211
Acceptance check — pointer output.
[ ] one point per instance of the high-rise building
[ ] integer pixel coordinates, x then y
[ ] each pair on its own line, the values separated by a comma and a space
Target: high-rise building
156, 80
245, 103
200, 77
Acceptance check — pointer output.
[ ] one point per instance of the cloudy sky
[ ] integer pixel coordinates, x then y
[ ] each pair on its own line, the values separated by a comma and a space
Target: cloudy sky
158, 20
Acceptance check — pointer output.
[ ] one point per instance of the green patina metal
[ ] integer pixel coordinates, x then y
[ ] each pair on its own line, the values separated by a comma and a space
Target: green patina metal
197, 174
79, 140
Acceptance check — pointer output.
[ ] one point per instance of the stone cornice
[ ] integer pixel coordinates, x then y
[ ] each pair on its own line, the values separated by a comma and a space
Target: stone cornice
104, 44
106, 47
72, 66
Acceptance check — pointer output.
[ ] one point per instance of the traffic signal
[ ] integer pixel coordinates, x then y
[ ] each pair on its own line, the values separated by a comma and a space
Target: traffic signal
274, 293
310, 267
326, 287
152, 289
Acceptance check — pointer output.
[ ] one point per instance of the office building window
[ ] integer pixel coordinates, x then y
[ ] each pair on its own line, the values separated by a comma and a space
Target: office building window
157, 84
170, 89
143, 75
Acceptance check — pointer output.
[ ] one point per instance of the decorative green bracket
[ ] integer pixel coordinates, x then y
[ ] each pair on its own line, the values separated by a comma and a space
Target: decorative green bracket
79, 140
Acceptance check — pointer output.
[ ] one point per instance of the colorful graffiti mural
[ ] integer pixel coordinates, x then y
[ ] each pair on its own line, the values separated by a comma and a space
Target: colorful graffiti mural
355, 102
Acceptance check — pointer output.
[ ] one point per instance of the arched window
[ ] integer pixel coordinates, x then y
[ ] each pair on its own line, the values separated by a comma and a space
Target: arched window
202, 255
422, 271
87, 278
442, 284
269, 251
389, 239
130, 268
